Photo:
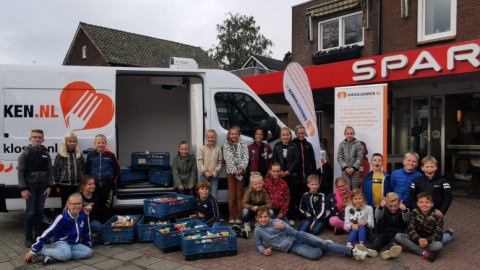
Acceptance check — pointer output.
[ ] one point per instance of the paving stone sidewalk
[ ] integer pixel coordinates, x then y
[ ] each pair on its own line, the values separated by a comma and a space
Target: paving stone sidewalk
461, 253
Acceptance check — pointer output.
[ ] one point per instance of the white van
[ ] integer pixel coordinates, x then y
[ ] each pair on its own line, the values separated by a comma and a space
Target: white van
138, 109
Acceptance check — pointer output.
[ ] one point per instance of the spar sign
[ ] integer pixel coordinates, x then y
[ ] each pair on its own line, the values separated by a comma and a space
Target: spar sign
299, 94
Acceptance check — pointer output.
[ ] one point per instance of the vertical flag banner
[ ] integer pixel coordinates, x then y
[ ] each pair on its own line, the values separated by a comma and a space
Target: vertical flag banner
365, 109
299, 94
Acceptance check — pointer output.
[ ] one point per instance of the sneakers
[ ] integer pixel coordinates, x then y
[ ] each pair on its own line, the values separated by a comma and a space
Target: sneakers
291, 222
339, 230
48, 260
431, 256
28, 242
349, 245
370, 252
238, 221
246, 225
450, 231
392, 252
240, 232
231, 221
358, 254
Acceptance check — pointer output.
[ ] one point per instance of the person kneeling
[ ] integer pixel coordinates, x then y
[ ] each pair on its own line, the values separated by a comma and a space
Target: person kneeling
71, 235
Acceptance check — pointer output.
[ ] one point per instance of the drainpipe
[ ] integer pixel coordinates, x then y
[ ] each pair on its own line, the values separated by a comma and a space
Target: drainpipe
379, 27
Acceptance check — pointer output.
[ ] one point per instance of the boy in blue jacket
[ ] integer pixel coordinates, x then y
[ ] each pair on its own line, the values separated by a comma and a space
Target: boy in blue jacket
402, 179
280, 236
103, 166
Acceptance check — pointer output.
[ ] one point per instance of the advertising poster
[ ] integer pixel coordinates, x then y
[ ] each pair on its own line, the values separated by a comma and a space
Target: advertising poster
365, 109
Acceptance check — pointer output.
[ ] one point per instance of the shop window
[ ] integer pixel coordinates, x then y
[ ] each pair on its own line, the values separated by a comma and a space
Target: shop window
437, 19
340, 32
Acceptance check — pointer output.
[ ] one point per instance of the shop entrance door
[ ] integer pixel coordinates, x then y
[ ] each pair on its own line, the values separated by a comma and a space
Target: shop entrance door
427, 128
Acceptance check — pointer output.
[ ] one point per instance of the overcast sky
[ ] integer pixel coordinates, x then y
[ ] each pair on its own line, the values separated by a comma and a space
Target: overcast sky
40, 31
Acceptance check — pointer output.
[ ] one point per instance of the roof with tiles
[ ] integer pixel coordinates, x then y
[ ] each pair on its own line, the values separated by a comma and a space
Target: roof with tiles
120, 48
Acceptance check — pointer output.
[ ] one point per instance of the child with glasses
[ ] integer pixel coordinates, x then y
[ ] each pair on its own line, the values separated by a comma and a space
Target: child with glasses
338, 202
35, 180
70, 233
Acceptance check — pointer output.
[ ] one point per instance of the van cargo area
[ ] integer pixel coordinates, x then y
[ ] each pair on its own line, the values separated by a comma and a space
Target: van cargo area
152, 114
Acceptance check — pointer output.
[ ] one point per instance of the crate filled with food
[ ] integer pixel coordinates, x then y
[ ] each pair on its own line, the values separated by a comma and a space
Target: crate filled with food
120, 229
208, 243
168, 205
146, 228
167, 236
150, 160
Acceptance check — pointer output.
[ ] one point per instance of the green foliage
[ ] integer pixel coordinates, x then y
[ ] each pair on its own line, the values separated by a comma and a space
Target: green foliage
239, 38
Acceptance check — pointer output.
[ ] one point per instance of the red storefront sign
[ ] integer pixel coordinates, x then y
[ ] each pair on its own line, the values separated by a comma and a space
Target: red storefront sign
429, 62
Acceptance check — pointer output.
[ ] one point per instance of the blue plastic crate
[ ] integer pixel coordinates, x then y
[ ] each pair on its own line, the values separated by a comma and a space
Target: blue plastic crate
119, 234
127, 174
167, 237
196, 245
165, 206
161, 177
146, 230
150, 158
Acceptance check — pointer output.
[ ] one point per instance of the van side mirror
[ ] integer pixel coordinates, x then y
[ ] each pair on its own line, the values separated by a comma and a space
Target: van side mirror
273, 129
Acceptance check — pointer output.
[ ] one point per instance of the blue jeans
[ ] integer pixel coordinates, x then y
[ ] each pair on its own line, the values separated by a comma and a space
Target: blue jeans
63, 251
361, 234
96, 226
213, 184
311, 247
34, 212
305, 225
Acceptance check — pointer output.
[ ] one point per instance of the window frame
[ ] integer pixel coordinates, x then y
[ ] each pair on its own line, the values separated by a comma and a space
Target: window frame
422, 37
341, 29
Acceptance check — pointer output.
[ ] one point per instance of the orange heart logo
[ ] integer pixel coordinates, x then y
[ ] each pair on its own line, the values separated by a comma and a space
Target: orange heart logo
84, 108
342, 95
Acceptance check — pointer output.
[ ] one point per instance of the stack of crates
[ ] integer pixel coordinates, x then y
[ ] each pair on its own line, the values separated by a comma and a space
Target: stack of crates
120, 229
154, 166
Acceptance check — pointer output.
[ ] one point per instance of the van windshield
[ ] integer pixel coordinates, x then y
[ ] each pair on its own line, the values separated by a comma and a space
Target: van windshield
239, 109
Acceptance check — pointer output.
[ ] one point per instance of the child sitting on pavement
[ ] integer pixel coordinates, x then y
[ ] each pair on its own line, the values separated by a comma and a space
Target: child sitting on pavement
255, 197
280, 236
206, 206
359, 219
312, 206
391, 221
425, 230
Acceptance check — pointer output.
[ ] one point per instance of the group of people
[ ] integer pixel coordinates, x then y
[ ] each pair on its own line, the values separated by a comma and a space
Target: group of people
423, 200
86, 189
282, 185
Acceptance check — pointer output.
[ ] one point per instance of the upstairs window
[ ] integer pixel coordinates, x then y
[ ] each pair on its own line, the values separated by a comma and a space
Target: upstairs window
437, 19
340, 32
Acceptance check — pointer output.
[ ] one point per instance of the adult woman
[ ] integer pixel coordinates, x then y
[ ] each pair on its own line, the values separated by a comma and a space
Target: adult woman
338, 202
70, 232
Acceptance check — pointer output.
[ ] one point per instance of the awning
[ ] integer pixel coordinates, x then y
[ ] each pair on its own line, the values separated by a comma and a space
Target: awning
334, 7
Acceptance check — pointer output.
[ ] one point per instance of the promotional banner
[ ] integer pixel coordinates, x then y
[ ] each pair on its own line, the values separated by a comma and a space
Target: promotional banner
365, 109
299, 94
